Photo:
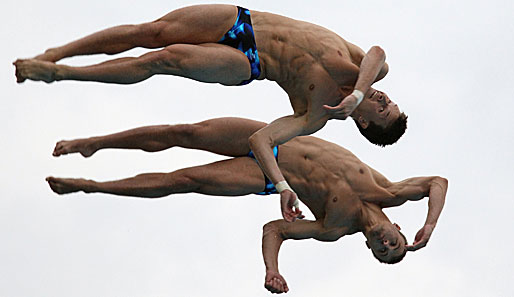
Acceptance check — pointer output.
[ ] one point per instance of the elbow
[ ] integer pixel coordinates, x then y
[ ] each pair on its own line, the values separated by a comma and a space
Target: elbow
378, 51
442, 181
272, 228
257, 139
253, 140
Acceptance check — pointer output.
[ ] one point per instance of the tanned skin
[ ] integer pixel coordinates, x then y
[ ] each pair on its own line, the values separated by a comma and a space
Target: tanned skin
345, 195
315, 67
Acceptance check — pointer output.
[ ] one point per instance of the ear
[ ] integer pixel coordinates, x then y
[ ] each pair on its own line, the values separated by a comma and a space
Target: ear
363, 122
397, 226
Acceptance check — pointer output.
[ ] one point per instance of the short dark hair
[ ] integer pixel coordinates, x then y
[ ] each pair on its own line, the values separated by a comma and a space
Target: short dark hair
382, 137
396, 259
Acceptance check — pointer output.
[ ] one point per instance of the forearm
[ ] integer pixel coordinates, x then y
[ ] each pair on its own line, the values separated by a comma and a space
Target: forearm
436, 199
263, 141
271, 242
370, 67
263, 152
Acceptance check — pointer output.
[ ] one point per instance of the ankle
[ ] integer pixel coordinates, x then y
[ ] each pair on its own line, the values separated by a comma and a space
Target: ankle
60, 72
88, 186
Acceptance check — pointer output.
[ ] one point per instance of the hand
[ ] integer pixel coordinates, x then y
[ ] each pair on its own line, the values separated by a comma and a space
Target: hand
275, 283
343, 109
421, 239
287, 200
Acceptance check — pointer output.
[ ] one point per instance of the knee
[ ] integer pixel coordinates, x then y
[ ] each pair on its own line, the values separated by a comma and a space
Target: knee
183, 181
151, 33
170, 60
189, 132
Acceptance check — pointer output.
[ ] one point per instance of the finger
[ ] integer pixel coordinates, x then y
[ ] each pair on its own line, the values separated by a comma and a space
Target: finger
271, 289
334, 109
276, 285
298, 214
328, 107
287, 217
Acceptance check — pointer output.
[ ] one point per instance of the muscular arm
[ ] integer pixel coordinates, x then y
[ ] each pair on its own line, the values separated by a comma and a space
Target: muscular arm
372, 69
275, 232
417, 188
278, 132
371, 66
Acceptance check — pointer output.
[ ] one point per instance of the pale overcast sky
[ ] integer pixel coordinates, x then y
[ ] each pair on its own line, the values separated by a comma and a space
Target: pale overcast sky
451, 71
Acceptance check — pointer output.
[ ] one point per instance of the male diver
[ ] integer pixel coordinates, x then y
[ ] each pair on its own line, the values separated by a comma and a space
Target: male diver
345, 195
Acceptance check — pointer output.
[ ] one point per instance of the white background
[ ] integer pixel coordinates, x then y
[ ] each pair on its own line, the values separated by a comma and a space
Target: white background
451, 71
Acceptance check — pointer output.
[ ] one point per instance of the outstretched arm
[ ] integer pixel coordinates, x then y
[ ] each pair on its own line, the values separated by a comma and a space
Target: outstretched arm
276, 133
372, 68
275, 233
417, 188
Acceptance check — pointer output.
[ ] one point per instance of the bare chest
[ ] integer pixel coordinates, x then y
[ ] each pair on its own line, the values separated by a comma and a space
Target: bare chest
343, 212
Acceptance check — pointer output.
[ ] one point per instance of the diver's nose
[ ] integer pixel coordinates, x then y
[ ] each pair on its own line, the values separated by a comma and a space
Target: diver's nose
383, 100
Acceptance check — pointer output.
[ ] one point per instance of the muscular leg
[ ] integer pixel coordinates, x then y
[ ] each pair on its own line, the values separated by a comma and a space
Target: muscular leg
224, 136
212, 63
188, 35
235, 177
193, 25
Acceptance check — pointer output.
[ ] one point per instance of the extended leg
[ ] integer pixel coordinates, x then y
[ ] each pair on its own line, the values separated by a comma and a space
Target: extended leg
189, 36
225, 136
235, 177
194, 25
210, 62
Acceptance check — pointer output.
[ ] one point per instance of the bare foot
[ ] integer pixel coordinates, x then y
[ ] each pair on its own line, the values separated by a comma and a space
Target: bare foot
65, 147
35, 70
65, 185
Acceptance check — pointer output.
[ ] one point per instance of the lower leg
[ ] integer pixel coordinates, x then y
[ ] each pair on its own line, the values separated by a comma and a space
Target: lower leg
121, 71
149, 138
149, 185
109, 41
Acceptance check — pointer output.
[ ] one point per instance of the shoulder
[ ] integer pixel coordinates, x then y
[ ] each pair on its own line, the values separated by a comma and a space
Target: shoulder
356, 53
380, 179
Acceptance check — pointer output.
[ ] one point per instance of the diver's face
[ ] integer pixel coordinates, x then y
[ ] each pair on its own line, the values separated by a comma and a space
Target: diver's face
386, 242
378, 108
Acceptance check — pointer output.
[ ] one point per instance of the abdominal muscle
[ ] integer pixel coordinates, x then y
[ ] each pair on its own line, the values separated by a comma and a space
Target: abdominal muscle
288, 47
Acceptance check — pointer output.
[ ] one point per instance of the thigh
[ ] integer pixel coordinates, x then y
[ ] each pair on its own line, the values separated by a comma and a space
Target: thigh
234, 177
197, 24
224, 136
210, 62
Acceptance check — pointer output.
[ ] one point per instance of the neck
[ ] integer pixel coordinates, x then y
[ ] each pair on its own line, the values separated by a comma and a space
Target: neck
372, 215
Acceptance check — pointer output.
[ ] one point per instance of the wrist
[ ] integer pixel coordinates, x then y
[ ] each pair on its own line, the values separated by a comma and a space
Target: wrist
282, 186
431, 225
359, 95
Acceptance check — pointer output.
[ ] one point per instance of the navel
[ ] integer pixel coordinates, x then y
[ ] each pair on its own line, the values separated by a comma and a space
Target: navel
361, 171
334, 199
340, 54
311, 87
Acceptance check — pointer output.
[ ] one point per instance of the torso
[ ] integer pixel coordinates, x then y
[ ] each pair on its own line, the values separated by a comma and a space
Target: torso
330, 180
312, 64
